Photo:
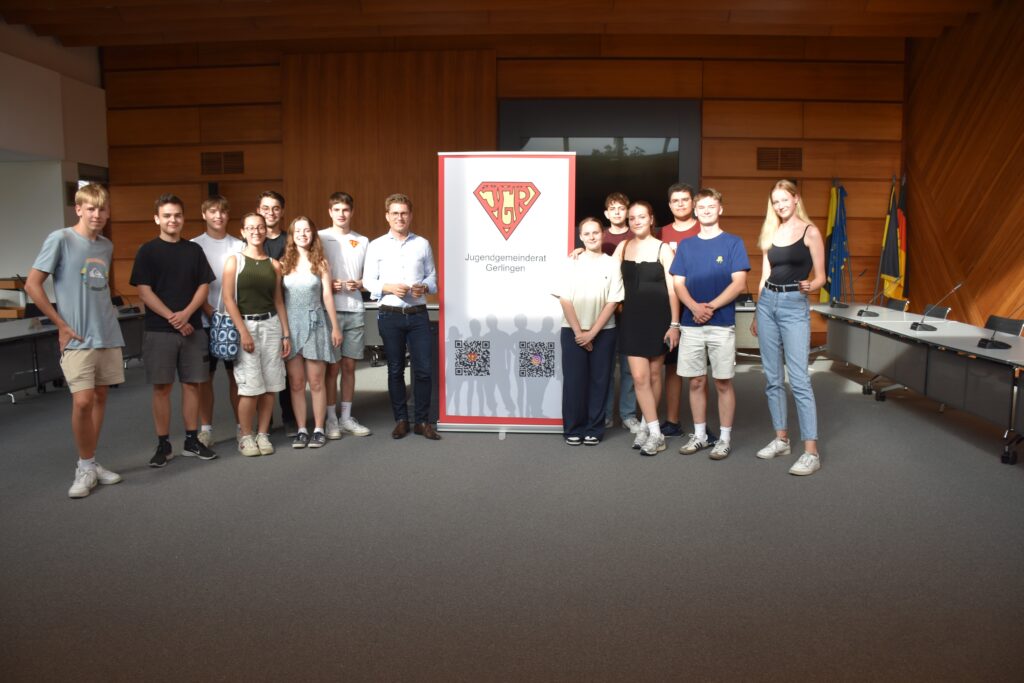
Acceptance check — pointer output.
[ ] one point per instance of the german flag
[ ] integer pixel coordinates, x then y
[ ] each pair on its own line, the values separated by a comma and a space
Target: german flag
893, 264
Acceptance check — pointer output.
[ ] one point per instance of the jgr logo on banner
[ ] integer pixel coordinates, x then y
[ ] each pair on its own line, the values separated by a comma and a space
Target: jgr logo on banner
506, 203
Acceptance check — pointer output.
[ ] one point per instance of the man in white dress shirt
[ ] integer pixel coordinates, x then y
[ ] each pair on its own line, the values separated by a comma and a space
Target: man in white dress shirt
399, 273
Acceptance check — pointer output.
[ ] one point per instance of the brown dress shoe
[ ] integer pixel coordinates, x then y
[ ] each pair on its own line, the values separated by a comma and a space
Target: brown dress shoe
426, 429
400, 430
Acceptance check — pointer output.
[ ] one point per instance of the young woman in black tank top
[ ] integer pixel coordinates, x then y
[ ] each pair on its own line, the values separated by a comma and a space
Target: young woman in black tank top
650, 319
793, 265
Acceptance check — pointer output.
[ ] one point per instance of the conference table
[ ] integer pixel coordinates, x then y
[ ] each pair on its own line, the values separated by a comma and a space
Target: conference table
30, 354
945, 364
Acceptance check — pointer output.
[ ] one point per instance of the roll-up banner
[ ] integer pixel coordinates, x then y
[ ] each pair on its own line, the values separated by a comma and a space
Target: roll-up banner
506, 227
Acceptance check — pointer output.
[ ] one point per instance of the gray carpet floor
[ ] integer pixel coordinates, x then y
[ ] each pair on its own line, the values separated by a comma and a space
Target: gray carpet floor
518, 559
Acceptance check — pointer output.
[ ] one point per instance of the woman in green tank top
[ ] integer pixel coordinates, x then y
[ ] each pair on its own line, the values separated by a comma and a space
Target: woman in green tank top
253, 299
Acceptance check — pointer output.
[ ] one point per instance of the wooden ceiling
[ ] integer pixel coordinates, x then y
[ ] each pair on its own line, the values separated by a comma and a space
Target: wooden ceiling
155, 22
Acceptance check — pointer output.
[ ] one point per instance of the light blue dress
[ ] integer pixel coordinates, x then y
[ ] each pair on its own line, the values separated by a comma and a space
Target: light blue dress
307, 321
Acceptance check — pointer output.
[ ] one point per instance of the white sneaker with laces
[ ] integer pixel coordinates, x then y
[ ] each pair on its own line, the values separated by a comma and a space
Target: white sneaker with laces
247, 445
264, 445
654, 444
631, 423
721, 450
809, 463
641, 436
693, 444
105, 476
775, 448
352, 426
85, 481
332, 429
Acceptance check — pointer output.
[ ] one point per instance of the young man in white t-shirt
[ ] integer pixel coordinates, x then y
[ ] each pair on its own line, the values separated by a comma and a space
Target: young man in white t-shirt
345, 250
218, 246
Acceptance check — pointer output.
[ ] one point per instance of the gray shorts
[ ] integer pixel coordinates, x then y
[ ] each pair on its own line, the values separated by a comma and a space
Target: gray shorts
353, 341
166, 354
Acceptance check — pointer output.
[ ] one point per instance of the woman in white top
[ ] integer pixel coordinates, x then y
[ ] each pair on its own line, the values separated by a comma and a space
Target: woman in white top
316, 336
591, 288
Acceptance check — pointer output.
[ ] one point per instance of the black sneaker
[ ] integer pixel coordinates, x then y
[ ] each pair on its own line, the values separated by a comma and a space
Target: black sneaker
301, 440
670, 429
195, 448
162, 455
318, 440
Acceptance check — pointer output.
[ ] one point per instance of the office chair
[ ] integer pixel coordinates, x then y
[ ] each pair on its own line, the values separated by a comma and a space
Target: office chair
933, 311
1012, 326
900, 305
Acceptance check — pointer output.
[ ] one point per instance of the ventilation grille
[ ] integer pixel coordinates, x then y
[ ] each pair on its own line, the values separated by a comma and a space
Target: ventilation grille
220, 163
780, 158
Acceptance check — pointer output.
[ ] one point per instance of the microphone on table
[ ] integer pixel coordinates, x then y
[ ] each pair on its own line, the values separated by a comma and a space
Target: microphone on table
921, 324
864, 312
992, 342
835, 303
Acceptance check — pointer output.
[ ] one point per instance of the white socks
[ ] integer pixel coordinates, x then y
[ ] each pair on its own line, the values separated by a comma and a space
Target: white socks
700, 430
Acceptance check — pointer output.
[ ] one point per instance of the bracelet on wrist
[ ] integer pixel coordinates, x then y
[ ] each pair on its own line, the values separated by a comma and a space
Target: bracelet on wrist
674, 326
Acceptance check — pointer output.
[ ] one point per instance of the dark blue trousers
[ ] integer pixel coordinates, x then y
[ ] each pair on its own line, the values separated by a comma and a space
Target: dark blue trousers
585, 378
400, 333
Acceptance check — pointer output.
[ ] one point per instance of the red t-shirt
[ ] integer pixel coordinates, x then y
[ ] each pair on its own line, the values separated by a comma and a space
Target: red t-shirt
610, 240
673, 237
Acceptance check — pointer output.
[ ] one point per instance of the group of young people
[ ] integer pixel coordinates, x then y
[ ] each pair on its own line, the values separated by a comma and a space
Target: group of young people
294, 296
667, 304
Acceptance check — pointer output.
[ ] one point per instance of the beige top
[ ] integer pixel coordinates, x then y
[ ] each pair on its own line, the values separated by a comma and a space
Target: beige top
590, 283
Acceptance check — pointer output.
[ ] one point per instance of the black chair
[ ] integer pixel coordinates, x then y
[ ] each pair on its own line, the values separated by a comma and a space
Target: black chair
933, 311
745, 299
1012, 326
900, 305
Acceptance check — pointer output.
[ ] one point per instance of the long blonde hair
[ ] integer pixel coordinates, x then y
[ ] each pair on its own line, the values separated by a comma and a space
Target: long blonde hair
317, 262
771, 219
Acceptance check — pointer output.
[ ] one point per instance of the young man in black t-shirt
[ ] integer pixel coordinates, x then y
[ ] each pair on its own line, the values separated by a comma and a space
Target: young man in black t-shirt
172, 277
271, 207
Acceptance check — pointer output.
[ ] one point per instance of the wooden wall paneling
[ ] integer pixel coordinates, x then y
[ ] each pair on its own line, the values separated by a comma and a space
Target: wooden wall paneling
149, 165
744, 119
242, 194
830, 81
964, 140
134, 203
170, 126
135, 57
865, 198
178, 87
821, 159
599, 78
835, 48
853, 121
240, 123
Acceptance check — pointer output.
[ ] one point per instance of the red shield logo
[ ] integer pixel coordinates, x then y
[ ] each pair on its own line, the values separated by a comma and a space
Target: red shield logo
506, 203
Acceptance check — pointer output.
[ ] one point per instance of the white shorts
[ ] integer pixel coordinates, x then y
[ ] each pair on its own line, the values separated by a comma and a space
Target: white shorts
698, 344
261, 371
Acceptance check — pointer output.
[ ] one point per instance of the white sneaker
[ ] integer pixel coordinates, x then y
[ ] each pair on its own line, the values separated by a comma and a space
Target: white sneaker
720, 451
264, 445
809, 463
85, 481
654, 444
631, 423
332, 429
247, 445
775, 448
352, 426
206, 438
641, 436
105, 476
694, 444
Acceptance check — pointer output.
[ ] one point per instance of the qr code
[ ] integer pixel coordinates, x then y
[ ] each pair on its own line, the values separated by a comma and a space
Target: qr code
472, 358
536, 359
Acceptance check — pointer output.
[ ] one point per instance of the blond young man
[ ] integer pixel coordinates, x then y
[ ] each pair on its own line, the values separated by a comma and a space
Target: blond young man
345, 250
88, 332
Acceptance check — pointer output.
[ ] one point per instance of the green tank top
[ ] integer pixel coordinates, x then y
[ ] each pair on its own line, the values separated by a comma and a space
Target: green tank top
256, 283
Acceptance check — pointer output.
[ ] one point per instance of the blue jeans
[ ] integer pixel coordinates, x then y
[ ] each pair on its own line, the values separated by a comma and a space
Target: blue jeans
784, 333
627, 396
585, 379
401, 332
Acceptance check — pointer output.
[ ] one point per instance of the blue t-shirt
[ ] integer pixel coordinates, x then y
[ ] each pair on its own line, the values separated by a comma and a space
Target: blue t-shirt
708, 266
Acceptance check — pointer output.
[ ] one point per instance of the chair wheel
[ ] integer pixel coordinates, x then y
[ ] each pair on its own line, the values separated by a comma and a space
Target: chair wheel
1009, 457
880, 396
866, 389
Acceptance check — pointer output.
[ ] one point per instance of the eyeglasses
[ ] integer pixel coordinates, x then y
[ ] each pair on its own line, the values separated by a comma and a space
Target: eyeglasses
255, 228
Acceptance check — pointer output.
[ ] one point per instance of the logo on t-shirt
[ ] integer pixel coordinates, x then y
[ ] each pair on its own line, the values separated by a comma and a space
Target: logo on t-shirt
719, 260
94, 274
354, 243
506, 203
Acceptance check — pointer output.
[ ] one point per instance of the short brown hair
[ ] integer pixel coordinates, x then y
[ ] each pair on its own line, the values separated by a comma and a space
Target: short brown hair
708, 193
215, 201
168, 198
680, 187
341, 198
270, 194
397, 198
616, 198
